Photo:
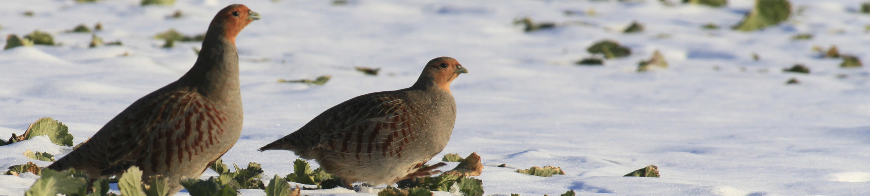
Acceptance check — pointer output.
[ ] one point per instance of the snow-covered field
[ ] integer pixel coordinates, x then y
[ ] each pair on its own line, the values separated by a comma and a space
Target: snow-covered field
716, 122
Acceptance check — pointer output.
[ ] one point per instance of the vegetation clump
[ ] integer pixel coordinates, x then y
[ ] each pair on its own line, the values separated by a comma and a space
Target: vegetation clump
711, 3
469, 166
591, 61
802, 36
648, 171
13, 41
302, 173
56, 131
765, 13
391, 191
610, 49
247, 178
368, 70
656, 61
40, 38
157, 2
799, 68
530, 25
635, 27
278, 187
545, 171
850, 61
319, 81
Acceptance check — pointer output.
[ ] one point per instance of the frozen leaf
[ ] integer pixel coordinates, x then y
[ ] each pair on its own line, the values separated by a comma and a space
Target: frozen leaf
546, 171
610, 49
635, 27
711, 3
850, 61
158, 2
648, 171
656, 61
368, 70
56, 131
40, 38
799, 68
53, 182
451, 157
13, 41
130, 183
319, 81
42, 156
765, 13
470, 166
19, 169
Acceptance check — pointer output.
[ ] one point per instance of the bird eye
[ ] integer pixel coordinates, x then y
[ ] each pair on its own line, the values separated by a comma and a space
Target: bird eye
443, 65
236, 14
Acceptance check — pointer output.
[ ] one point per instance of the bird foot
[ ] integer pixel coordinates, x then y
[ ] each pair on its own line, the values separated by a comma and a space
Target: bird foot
424, 172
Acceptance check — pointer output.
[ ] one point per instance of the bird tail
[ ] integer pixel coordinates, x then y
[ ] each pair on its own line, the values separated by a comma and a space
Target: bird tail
60, 165
280, 144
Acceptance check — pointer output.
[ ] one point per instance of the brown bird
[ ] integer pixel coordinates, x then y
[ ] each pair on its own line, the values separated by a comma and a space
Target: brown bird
176, 131
382, 137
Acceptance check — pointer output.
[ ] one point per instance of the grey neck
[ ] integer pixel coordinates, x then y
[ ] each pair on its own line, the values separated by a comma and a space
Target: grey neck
216, 69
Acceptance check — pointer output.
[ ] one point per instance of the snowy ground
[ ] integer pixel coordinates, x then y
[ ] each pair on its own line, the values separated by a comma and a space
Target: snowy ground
715, 123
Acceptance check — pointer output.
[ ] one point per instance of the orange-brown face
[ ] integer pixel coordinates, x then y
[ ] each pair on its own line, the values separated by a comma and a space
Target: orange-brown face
444, 70
233, 19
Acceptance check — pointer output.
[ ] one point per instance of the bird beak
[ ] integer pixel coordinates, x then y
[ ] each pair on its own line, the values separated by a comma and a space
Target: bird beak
461, 70
254, 16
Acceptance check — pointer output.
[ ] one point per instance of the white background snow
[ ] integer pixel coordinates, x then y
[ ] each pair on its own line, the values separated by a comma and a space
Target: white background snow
715, 123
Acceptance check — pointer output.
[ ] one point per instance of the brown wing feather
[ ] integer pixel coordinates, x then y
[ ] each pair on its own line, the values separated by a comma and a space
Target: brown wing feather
154, 132
372, 123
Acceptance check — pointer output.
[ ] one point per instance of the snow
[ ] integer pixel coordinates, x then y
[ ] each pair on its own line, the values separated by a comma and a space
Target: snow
716, 122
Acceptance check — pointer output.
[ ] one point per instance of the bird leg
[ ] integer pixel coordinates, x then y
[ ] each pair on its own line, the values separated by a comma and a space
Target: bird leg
423, 172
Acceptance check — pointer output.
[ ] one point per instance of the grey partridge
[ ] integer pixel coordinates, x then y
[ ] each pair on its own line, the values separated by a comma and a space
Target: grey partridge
382, 137
181, 128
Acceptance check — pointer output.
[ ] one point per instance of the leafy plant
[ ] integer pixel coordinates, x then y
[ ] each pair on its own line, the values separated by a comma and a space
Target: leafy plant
452, 157
799, 68
765, 13
368, 70
54, 182
56, 131
470, 186
13, 41
532, 26
19, 169
850, 61
174, 35
569, 193
648, 171
247, 178
210, 187
40, 38
656, 61
391, 191
81, 28
635, 27
591, 61
802, 36
157, 2
319, 81
302, 173
546, 171
610, 49
711, 3
279, 187
470, 166
42, 156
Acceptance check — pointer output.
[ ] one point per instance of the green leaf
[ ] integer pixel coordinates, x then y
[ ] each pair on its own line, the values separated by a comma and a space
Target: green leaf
610, 49
569, 193
278, 187
765, 13
101, 187
648, 171
53, 182
42, 156
711, 3
197, 187
13, 41
471, 187
19, 169
219, 167
81, 29
850, 61
452, 157
157, 187
157, 2
249, 178
546, 171
319, 81
635, 27
40, 38
130, 183
56, 131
